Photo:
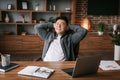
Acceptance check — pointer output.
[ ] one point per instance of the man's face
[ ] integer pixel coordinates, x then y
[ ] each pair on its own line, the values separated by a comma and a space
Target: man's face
60, 26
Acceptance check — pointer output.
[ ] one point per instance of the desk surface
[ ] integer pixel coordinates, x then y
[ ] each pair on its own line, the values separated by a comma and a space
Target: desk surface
58, 75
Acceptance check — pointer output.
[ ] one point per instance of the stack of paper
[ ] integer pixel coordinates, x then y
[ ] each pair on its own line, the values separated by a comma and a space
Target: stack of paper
109, 65
36, 71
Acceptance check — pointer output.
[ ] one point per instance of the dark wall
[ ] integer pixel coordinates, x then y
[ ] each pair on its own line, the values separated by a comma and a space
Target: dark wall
108, 20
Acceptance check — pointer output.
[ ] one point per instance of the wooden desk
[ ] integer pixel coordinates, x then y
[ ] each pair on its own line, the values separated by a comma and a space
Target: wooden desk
58, 75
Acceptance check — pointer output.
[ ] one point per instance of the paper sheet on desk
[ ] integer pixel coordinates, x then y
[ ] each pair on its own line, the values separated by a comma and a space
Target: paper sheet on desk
109, 65
37, 71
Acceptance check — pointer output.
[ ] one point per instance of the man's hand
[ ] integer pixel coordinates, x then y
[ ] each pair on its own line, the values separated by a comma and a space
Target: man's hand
86, 24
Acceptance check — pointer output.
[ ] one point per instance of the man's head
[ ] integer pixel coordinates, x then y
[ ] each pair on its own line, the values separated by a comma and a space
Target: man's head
61, 25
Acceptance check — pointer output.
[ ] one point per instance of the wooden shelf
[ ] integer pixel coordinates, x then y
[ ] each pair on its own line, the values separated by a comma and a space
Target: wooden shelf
15, 14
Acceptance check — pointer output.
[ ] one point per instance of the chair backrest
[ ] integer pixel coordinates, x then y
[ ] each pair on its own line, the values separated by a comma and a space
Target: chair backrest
77, 50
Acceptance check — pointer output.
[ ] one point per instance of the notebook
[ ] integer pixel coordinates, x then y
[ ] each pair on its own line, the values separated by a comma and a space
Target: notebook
84, 66
9, 67
42, 72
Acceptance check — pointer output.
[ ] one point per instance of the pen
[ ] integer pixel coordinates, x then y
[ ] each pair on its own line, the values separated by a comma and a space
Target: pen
37, 69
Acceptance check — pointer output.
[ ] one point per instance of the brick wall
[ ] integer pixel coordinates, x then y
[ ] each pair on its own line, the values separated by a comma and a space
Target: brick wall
81, 12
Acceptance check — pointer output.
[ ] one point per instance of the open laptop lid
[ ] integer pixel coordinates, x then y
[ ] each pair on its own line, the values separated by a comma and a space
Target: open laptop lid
86, 65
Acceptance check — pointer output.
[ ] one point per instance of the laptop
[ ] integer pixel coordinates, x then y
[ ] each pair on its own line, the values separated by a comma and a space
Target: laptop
84, 66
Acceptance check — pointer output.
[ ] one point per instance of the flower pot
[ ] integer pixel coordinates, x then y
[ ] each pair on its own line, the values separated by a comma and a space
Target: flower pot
100, 33
116, 52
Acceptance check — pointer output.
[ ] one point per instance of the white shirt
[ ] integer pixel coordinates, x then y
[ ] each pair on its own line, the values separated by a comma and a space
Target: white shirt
55, 52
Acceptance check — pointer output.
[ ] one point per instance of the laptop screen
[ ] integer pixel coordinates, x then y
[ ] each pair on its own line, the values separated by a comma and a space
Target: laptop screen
84, 65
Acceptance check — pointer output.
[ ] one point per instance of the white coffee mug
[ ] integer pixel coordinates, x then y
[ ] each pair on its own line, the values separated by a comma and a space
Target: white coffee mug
5, 59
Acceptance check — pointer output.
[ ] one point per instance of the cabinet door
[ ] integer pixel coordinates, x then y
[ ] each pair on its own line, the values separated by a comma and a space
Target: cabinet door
32, 44
96, 44
11, 44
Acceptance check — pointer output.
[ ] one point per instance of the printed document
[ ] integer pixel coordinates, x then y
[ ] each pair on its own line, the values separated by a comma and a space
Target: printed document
109, 65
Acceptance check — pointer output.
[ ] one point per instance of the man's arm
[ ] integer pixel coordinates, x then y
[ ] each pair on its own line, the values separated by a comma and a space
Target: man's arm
43, 29
79, 33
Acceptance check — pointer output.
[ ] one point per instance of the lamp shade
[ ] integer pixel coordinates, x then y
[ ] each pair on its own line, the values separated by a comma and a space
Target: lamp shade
86, 24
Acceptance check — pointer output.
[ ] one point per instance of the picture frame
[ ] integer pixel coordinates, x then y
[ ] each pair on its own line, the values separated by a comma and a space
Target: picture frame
9, 6
24, 5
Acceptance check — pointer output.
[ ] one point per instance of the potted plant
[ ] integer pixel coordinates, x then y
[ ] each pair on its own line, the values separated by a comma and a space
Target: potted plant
116, 42
101, 28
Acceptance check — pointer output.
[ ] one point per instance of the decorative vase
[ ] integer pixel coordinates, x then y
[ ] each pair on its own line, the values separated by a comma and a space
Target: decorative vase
116, 52
36, 8
100, 33
54, 8
7, 18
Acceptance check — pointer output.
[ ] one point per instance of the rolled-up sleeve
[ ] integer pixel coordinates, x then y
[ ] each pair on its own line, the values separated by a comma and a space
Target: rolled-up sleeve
42, 29
79, 33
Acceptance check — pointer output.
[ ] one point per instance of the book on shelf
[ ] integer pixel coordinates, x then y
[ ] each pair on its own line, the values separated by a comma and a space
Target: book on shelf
9, 67
36, 71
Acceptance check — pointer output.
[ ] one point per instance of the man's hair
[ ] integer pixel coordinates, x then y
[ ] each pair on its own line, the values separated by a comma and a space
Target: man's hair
62, 18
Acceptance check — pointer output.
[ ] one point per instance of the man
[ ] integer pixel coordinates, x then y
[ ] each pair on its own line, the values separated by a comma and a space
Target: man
60, 39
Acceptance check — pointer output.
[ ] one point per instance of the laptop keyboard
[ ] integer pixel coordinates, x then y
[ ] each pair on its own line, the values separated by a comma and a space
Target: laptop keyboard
68, 71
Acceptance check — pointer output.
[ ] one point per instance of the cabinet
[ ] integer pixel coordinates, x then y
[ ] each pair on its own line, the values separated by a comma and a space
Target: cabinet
21, 44
18, 34
97, 44
94, 44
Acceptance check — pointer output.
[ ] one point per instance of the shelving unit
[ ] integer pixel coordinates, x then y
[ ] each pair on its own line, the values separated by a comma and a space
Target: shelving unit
30, 14
23, 15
